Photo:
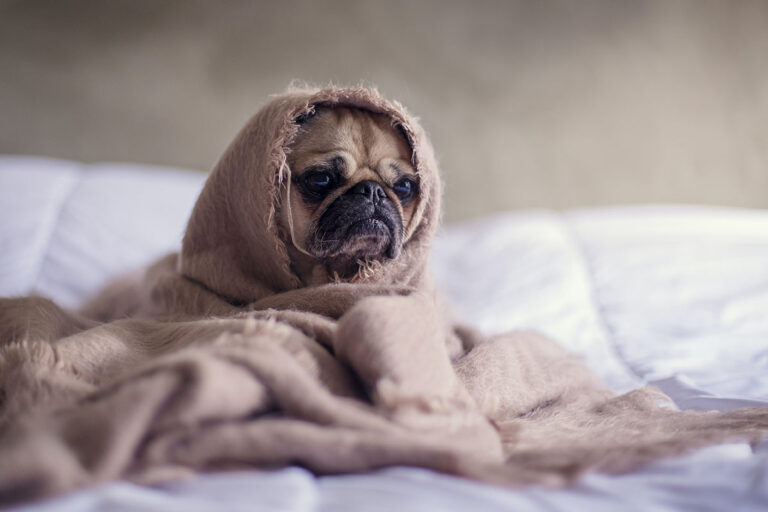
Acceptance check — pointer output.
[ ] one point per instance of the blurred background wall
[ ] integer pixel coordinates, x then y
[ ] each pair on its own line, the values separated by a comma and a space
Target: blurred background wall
529, 103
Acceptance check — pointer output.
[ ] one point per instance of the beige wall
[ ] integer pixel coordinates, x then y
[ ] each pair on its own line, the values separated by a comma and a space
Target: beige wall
536, 103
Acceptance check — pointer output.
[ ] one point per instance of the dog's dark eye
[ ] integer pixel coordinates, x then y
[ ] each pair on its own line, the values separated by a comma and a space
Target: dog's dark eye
318, 183
405, 189
318, 180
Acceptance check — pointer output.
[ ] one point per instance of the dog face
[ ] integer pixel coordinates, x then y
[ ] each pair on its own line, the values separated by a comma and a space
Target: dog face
353, 191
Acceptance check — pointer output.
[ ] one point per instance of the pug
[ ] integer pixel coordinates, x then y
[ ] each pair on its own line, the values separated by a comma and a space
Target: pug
351, 193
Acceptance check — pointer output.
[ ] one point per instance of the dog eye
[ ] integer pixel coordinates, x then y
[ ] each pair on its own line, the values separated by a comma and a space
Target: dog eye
318, 180
318, 183
405, 189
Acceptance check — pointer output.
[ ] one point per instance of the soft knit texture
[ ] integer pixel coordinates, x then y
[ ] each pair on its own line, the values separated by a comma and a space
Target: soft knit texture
218, 358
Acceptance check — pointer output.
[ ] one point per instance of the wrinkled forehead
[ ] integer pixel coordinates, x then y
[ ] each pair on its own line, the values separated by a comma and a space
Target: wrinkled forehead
365, 137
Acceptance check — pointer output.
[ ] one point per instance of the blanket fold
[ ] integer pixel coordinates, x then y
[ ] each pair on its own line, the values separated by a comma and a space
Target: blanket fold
218, 358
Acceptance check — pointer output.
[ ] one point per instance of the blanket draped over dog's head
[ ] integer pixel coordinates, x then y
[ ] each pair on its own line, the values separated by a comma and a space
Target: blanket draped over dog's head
222, 359
232, 244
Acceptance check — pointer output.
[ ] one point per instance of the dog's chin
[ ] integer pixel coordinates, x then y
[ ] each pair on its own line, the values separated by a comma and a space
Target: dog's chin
368, 238
359, 240
354, 229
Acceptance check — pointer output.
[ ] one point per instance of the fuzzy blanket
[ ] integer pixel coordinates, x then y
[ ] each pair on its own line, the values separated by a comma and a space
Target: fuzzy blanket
220, 358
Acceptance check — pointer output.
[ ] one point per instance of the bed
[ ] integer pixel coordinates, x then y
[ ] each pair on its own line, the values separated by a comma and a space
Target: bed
670, 295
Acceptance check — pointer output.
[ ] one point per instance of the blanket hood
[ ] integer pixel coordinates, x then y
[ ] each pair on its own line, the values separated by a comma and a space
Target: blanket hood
232, 245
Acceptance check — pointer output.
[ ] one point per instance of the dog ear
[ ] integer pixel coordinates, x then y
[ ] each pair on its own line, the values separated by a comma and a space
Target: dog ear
404, 134
304, 117
401, 130
309, 113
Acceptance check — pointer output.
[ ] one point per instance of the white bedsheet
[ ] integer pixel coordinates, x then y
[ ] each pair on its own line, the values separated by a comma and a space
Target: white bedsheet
676, 296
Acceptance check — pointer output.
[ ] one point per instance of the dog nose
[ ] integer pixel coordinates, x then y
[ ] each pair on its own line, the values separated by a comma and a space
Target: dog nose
369, 189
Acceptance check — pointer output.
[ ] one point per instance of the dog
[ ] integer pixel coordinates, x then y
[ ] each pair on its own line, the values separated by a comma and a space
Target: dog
351, 194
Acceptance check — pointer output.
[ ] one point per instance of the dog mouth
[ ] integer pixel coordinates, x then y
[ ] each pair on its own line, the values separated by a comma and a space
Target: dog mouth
365, 238
367, 226
370, 237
